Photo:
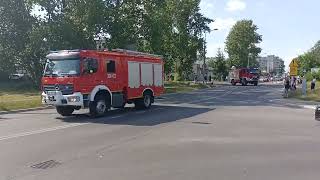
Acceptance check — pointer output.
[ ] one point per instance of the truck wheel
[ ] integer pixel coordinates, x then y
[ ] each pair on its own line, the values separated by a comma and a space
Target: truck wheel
99, 106
233, 83
255, 83
65, 110
145, 102
244, 82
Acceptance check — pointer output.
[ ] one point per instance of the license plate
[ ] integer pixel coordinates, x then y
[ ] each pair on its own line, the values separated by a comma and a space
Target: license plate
51, 98
52, 93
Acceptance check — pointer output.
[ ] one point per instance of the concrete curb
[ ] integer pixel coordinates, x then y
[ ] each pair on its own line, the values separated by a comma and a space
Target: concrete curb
309, 107
25, 110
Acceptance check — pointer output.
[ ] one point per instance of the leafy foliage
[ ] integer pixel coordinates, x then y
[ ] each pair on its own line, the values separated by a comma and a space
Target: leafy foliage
219, 66
169, 28
241, 44
310, 59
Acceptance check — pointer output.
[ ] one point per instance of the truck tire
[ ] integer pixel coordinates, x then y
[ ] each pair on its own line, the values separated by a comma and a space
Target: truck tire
233, 83
255, 83
99, 106
244, 82
65, 110
145, 102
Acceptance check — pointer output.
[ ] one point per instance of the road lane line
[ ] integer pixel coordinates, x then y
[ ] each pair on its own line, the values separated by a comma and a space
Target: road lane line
41, 131
140, 112
228, 92
158, 109
114, 117
309, 107
186, 105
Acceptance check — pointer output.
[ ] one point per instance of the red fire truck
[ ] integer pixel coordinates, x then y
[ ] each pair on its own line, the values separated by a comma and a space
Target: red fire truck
99, 80
244, 76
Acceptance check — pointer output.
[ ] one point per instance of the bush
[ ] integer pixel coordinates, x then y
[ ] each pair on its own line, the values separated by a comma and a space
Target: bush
310, 76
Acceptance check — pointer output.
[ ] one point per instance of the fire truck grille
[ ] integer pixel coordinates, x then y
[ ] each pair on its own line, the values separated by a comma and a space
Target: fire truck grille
65, 89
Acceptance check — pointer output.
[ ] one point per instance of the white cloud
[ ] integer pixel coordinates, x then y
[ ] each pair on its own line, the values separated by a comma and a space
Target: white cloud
236, 5
223, 24
216, 39
212, 48
207, 7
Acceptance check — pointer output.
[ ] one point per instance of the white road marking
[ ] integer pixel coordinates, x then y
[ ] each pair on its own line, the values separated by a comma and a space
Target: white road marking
114, 117
309, 107
140, 112
41, 131
187, 105
215, 97
23, 134
158, 108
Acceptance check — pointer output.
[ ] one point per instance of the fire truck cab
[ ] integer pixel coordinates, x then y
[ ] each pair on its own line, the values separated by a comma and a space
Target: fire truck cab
99, 80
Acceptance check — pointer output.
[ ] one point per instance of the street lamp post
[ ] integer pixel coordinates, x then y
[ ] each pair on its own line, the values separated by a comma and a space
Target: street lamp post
204, 53
248, 65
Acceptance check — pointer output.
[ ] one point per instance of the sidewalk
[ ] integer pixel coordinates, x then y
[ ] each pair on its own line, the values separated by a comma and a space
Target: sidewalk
304, 104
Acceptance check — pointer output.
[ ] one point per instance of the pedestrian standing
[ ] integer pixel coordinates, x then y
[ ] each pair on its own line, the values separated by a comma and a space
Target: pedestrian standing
313, 84
286, 87
293, 83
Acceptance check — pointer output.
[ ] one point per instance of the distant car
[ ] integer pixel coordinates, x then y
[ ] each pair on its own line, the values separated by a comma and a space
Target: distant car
16, 76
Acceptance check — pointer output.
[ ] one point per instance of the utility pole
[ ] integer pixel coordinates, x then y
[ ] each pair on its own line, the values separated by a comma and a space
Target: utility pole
248, 66
204, 56
204, 52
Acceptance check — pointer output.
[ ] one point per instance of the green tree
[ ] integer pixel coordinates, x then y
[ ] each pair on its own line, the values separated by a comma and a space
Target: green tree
173, 29
241, 44
15, 23
310, 59
219, 66
189, 26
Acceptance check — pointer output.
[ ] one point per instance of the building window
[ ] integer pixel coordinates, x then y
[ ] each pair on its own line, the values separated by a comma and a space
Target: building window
111, 66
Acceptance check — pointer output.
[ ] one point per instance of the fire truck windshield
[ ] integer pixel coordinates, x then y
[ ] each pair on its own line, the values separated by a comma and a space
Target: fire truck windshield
254, 71
62, 67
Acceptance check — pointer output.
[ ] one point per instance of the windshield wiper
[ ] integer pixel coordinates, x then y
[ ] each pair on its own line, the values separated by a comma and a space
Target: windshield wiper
67, 74
50, 75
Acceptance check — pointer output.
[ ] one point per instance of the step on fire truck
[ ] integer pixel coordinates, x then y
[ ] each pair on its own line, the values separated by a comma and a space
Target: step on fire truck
244, 76
99, 80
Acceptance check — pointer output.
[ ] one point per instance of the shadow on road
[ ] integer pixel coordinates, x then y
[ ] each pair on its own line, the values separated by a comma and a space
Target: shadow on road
130, 116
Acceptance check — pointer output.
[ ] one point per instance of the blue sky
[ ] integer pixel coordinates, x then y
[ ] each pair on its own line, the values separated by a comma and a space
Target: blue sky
289, 27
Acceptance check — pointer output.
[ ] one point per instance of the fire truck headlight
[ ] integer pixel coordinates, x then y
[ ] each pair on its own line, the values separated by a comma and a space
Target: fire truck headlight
74, 99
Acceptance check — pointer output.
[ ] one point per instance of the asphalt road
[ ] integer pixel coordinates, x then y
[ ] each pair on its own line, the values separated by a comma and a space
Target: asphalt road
222, 133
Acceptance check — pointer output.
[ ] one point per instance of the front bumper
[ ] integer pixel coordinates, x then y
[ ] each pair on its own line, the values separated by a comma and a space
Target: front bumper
57, 99
253, 80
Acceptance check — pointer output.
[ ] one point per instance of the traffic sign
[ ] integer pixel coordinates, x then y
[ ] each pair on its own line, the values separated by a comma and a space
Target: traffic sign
294, 67
294, 63
293, 71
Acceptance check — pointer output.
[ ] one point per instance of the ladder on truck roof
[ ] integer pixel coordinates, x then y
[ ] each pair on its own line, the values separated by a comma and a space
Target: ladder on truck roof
137, 53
